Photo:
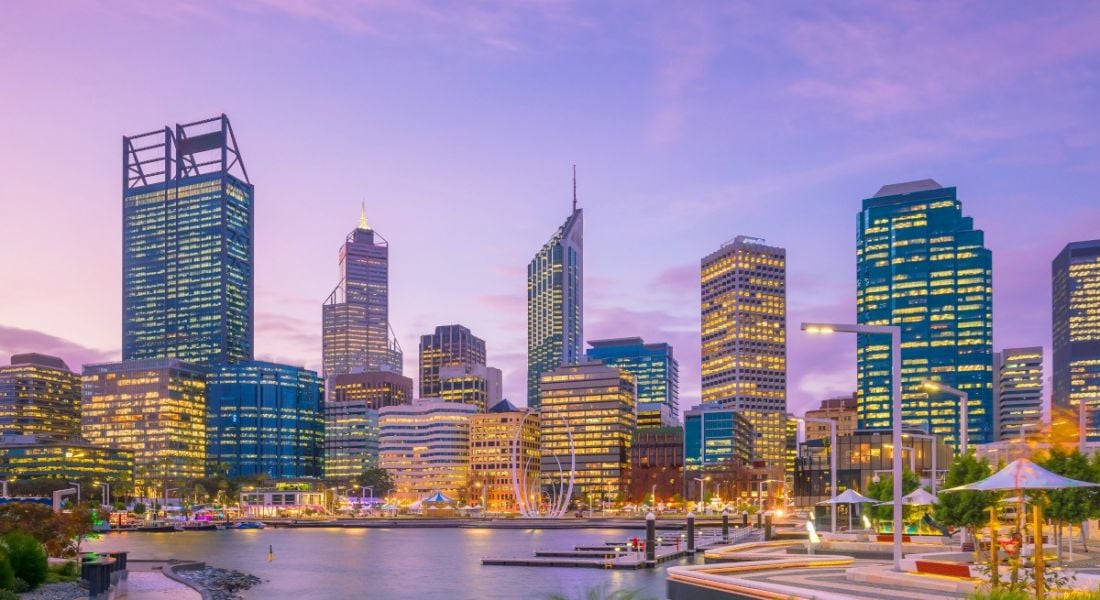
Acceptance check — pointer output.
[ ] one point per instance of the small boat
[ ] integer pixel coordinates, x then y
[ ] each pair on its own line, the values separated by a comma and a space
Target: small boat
158, 527
246, 525
200, 526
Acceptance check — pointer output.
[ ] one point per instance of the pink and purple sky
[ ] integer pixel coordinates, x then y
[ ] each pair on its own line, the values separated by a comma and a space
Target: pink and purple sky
457, 123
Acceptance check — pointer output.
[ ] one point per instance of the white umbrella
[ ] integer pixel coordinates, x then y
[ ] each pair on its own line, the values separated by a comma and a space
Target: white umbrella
850, 497
918, 497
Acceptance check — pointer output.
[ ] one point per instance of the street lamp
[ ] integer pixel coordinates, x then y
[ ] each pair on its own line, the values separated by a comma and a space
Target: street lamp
77, 490
832, 461
760, 491
106, 490
702, 481
932, 439
895, 397
964, 409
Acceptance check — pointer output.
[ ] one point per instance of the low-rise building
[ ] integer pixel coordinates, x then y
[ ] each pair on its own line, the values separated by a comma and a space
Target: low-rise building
425, 446
284, 499
657, 465
502, 441
34, 457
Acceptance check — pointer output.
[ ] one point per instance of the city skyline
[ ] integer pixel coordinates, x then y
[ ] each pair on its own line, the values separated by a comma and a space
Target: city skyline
634, 287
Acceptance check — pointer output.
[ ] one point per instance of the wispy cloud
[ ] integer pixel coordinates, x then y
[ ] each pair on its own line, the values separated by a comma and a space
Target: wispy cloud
14, 340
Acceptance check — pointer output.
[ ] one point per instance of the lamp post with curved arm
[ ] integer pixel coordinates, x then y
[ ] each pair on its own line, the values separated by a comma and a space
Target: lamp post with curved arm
832, 462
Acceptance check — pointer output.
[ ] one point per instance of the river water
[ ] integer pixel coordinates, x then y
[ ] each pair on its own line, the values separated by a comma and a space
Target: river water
381, 564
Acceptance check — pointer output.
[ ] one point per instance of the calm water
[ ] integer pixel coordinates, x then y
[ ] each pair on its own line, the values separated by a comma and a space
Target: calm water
393, 563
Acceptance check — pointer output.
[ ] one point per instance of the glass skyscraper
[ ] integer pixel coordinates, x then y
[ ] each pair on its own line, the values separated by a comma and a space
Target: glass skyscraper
187, 245
744, 340
555, 303
449, 346
653, 366
264, 419
1076, 328
356, 333
923, 266
39, 396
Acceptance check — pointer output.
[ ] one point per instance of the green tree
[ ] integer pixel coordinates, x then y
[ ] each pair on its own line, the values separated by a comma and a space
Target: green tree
377, 478
965, 509
883, 490
1073, 505
27, 557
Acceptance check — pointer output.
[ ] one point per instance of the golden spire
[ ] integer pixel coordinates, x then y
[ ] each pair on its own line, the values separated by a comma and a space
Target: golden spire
363, 217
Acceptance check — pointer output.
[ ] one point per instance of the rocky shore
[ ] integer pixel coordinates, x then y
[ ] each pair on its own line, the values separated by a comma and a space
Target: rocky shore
222, 584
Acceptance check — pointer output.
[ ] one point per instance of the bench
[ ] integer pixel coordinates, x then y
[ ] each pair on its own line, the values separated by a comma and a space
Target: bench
889, 537
942, 568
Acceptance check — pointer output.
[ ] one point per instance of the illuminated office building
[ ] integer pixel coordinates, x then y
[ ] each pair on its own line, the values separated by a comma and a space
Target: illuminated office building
351, 439
716, 436
842, 410
656, 465
355, 319
425, 446
33, 457
922, 265
595, 403
39, 396
654, 368
264, 419
1076, 328
744, 340
154, 408
374, 389
478, 385
187, 245
555, 302
449, 346
1017, 391
495, 447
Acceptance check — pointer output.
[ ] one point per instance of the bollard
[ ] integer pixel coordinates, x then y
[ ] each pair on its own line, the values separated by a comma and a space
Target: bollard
98, 575
759, 520
691, 533
745, 519
767, 528
725, 525
650, 540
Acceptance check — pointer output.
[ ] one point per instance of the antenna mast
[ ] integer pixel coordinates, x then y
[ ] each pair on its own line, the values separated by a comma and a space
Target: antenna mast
574, 187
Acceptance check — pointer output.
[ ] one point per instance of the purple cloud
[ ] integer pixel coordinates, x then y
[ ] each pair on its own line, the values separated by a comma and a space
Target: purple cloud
18, 341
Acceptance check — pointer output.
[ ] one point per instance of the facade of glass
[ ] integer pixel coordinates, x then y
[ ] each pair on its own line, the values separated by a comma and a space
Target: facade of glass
922, 265
449, 346
478, 385
594, 405
716, 436
1017, 390
39, 396
1076, 329
355, 319
555, 303
374, 389
426, 448
264, 419
351, 439
495, 449
653, 366
744, 340
33, 457
153, 408
187, 246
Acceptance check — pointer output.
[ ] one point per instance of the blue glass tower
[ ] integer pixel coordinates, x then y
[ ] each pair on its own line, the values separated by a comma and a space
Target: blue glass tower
923, 266
187, 245
655, 369
715, 436
265, 418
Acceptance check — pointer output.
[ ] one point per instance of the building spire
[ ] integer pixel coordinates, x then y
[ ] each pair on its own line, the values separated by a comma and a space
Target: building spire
363, 217
574, 187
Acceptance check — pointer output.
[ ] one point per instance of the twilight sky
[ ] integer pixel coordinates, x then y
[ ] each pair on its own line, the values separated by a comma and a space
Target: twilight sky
457, 124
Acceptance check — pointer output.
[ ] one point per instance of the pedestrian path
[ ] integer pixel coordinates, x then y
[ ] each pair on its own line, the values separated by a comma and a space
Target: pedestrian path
153, 585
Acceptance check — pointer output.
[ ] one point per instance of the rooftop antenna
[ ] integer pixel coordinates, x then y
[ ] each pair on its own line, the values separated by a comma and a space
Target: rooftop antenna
574, 187
363, 217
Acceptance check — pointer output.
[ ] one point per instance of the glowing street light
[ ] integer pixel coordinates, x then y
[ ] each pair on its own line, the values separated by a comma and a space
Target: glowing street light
832, 461
895, 398
964, 409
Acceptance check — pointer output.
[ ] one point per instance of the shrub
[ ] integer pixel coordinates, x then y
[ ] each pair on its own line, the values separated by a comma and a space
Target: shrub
19, 586
28, 558
7, 575
8, 595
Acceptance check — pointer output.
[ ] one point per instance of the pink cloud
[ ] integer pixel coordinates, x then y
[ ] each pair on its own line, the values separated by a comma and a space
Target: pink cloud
18, 341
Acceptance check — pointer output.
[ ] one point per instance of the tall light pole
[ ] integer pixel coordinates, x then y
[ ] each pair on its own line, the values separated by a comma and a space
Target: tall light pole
832, 462
932, 442
1082, 427
77, 490
702, 481
964, 409
760, 491
895, 397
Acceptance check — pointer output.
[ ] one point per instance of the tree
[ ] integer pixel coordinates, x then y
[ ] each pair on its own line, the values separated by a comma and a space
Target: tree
1073, 505
61, 534
883, 490
377, 478
965, 509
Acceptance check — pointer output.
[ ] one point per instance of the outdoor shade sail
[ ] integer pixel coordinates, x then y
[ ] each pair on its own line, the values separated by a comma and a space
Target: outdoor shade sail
437, 497
1022, 474
918, 497
850, 497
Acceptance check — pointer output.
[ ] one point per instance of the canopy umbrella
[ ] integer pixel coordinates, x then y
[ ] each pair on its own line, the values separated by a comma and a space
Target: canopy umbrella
1022, 474
918, 497
850, 497
438, 497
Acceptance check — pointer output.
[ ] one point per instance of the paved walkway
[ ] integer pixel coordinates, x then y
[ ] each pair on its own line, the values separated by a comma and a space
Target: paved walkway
146, 582
834, 581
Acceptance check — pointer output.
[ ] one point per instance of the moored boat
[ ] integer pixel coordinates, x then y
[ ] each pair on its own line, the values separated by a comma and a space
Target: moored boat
158, 527
246, 525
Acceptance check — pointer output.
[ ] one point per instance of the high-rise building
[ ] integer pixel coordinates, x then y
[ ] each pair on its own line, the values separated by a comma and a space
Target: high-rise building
744, 340
718, 444
1017, 390
155, 408
187, 245
555, 302
654, 368
478, 385
264, 419
594, 405
426, 448
501, 439
374, 389
656, 465
922, 265
841, 409
1076, 343
34, 457
449, 346
39, 396
351, 439
355, 319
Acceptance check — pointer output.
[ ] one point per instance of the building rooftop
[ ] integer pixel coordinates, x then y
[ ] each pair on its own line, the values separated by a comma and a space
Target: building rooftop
908, 187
